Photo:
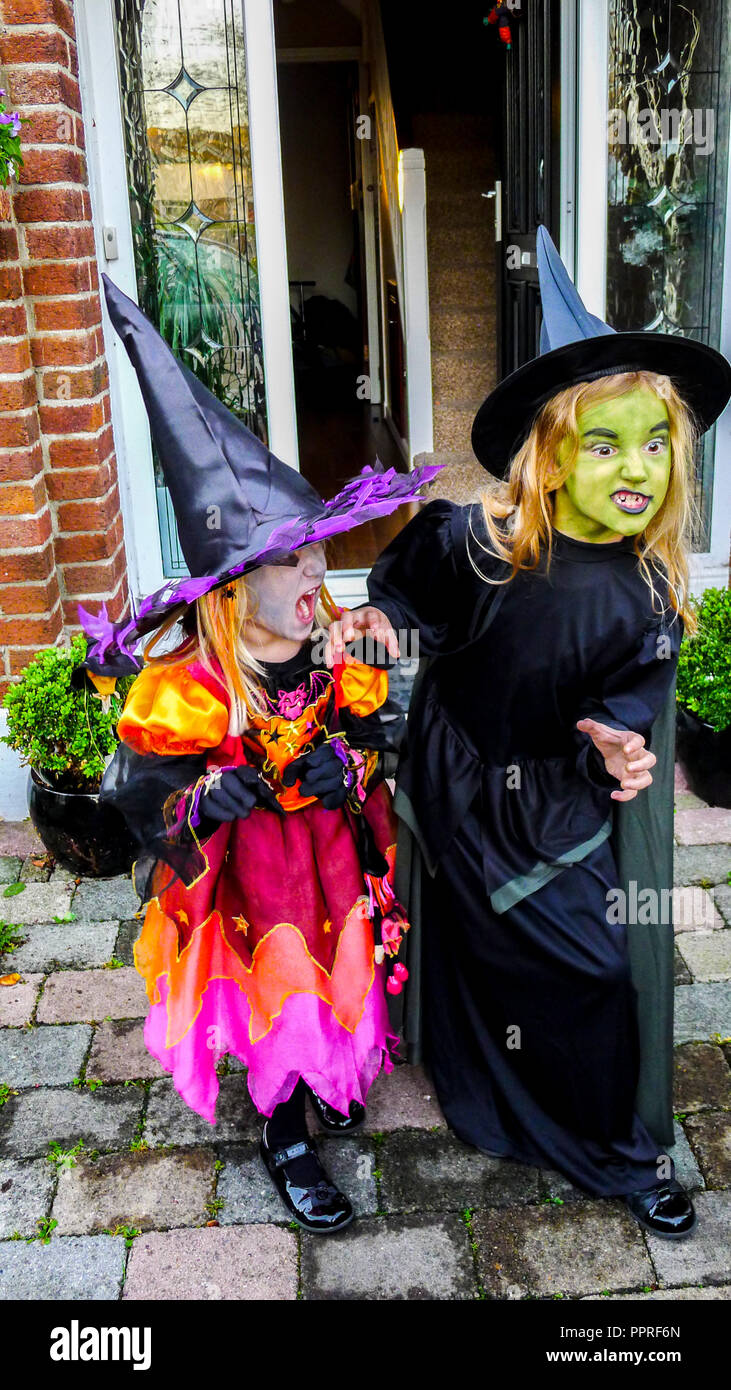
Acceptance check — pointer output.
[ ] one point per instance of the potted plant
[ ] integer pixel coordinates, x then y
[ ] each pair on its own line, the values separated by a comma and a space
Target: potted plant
704, 700
63, 723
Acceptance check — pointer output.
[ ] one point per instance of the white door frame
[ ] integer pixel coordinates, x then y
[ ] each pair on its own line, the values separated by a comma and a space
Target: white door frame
106, 158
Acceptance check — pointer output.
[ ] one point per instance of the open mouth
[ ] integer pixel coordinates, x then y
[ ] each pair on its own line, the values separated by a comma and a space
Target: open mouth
633, 502
305, 605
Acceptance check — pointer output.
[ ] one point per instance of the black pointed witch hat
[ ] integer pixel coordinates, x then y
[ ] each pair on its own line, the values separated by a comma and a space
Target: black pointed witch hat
237, 505
577, 346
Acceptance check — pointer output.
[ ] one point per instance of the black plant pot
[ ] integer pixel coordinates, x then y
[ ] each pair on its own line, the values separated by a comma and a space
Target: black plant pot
84, 835
705, 757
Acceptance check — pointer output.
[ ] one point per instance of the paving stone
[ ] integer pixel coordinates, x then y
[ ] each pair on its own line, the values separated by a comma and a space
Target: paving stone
246, 1190
687, 1171
702, 863
688, 801
393, 1258
704, 1257
59, 875
102, 1119
143, 1189
171, 1121
17, 1002
118, 1053
722, 898
681, 781
694, 910
709, 825
10, 867
68, 944
404, 1100
79, 1268
93, 995
39, 872
702, 1078
39, 902
20, 838
681, 973
242, 1263
707, 957
249, 1196
702, 1011
710, 1136
42, 1056
434, 1172
25, 1195
104, 899
575, 1249
665, 1295
127, 934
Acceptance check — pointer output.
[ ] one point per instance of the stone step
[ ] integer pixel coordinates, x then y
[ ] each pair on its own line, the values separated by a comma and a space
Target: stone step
464, 209
461, 376
460, 286
462, 328
459, 170
453, 425
473, 245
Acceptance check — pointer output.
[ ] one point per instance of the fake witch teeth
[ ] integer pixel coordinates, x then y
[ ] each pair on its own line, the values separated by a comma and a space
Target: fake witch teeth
631, 501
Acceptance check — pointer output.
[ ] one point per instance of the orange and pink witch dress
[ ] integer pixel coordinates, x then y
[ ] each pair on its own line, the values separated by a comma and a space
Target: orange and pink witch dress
259, 934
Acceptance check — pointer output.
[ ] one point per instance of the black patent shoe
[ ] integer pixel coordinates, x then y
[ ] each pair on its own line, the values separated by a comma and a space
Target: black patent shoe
665, 1210
319, 1207
333, 1120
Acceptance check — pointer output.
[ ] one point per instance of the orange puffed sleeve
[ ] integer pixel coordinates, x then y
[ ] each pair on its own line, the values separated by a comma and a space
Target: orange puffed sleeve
168, 711
362, 689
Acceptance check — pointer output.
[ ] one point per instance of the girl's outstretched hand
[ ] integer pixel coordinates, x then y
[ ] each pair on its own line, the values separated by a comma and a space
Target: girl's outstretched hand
625, 757
359, 622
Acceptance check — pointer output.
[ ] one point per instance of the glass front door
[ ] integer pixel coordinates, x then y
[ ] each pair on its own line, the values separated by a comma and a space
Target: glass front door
184, 106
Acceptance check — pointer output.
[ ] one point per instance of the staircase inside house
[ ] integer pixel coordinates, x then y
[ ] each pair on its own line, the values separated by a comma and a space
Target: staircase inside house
460, 167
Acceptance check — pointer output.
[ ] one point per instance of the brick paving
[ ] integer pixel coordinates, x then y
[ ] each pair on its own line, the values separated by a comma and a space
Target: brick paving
110, 1188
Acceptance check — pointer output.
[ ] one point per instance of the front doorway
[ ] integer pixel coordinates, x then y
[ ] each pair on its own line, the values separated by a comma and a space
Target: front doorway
340, 420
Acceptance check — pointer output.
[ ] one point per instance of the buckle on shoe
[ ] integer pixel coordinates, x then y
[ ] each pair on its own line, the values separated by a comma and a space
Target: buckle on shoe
281, 1156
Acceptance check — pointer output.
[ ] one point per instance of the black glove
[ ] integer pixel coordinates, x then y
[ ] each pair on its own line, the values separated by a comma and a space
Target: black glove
236, 794
322, 774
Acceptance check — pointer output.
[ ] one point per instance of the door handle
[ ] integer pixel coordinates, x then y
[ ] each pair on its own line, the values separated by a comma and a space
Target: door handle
497, 194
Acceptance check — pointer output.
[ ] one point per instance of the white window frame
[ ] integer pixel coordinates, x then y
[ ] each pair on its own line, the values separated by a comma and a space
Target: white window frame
107, 164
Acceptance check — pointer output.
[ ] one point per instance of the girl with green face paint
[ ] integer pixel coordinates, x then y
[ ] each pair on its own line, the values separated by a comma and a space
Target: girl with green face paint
522, 741
619, 472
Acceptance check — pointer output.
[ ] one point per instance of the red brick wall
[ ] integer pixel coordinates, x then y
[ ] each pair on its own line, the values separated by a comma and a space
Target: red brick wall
61, 537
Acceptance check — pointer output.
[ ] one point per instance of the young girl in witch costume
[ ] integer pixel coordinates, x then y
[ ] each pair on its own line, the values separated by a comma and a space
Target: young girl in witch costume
551, 615
252, 776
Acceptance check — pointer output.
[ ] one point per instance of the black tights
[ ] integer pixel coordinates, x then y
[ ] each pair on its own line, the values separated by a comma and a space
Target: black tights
288, 1126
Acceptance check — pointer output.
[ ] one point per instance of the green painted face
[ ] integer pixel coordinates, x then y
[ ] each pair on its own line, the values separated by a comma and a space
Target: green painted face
622, 469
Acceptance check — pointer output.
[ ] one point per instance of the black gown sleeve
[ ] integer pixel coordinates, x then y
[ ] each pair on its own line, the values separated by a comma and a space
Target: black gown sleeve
154, 792
414, 581
631, 694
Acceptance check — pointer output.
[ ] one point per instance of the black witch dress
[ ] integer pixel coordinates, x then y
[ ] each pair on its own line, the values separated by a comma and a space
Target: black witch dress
529, 1019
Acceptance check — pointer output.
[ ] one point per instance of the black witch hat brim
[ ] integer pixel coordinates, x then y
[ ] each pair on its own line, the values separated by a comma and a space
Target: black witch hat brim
701, 376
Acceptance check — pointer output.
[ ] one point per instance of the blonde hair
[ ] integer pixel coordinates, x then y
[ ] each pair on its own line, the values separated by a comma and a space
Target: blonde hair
221, 616
519, 514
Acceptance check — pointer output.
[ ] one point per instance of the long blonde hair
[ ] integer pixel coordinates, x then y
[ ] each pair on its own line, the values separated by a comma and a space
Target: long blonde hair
519, 514
215, 626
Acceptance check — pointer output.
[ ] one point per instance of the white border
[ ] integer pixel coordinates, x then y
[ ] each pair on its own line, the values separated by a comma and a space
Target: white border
269, 227
592, 153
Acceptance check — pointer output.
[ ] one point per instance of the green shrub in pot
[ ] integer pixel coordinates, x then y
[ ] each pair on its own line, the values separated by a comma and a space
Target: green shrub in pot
704, 700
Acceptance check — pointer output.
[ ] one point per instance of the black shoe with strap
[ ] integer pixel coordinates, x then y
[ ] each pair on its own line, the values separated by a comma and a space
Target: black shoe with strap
334, 1120
665, 1210
309, 1196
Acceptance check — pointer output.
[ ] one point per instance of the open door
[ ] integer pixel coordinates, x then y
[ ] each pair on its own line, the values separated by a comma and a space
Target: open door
530, 173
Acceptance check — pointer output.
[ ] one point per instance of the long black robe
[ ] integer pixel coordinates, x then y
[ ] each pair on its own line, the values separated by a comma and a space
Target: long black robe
528, 982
